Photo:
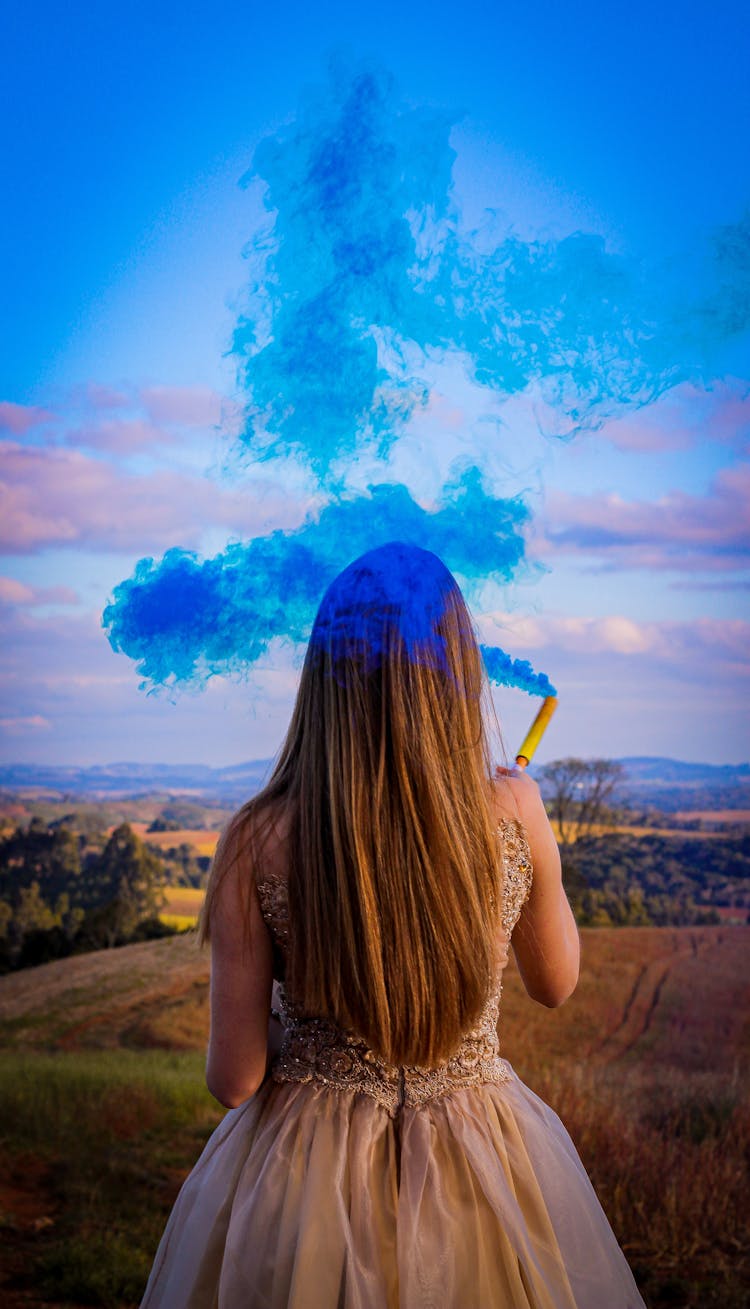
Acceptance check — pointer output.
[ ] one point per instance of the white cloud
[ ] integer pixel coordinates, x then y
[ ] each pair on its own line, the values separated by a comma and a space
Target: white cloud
54, 496
13, 592
189, 406
18, 419
20, 726
702, 644
681, 532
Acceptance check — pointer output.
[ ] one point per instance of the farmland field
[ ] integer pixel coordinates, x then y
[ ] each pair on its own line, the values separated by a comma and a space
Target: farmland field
634, 829
182, 902
203, 842
728, 816
103, 1108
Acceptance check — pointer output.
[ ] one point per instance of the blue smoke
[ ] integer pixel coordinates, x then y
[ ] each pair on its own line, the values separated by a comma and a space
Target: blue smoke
366, 275
335, 277
184, 620
514, 672
364, 279
396, 595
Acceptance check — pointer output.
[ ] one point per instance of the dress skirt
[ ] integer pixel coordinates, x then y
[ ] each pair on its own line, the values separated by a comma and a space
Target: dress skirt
310, 1197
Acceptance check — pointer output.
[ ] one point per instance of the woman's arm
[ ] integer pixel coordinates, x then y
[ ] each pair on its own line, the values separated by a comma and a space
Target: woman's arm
545, 940
241, 980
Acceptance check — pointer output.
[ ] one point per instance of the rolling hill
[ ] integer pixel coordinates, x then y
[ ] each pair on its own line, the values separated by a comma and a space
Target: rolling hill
647, 779
103, 1109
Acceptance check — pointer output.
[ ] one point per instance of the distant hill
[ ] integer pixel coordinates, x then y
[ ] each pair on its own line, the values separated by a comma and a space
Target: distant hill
128, 780
670, 783
646, 769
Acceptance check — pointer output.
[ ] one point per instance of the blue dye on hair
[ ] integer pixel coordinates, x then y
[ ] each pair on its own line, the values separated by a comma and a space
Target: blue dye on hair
395, 597
389, 601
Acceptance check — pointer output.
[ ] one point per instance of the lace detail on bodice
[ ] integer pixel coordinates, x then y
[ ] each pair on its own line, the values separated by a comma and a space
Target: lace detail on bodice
316, 1050
516, 872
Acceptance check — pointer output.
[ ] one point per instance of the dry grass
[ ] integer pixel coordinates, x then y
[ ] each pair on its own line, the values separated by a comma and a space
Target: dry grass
646, 1064
184, 902
729, 816
110, 999
203, 842
94, 1146
678, 997
626, 829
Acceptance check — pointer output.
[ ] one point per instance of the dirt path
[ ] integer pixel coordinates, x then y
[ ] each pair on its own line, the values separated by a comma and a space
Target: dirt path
115, 1024
27, 1211
64, 1004
643, 1001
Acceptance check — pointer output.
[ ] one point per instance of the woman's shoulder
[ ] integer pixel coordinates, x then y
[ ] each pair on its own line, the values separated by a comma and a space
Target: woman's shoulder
510, 805
518, 804
263, 823
252, 849
515, 797
272, 823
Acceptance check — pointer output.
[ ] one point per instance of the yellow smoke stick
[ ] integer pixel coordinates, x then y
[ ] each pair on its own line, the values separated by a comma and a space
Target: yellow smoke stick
536, 731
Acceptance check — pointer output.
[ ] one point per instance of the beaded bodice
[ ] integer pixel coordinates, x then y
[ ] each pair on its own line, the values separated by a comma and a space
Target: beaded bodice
317, 1050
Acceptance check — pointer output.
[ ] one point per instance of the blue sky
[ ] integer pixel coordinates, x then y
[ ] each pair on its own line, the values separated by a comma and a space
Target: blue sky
125, 134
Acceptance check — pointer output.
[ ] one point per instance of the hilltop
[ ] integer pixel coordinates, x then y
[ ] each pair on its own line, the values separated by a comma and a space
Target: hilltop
662, 782
135, 781
104, 1109
675, 996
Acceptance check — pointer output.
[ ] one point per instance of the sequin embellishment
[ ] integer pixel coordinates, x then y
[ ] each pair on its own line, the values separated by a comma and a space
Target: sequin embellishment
316, 1050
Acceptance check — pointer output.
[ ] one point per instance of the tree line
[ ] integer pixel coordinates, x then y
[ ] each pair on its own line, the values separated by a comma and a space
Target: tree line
60, 894
65, 890
616, 879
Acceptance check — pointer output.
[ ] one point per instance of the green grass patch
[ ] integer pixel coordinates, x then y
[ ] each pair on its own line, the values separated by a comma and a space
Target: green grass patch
97, 1145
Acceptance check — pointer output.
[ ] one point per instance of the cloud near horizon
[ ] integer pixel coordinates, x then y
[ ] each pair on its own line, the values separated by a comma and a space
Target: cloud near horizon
59, 494
120, 436
685, 417
18, 419
55, 652
148, 417
681, 532
54, 496
681, 645
20, 726
186, 406
13, 592
58, 669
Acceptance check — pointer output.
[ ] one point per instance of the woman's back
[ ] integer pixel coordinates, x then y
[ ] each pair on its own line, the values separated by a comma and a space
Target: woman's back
382, 1154
347, 1182
523, 838
316, 1047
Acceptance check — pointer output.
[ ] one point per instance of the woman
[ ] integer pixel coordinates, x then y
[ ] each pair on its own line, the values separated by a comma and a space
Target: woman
379, 1152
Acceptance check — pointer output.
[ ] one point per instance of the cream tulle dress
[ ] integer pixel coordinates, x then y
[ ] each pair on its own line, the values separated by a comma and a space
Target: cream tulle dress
346, 1183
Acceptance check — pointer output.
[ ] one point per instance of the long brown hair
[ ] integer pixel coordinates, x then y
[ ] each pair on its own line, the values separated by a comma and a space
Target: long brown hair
393, 857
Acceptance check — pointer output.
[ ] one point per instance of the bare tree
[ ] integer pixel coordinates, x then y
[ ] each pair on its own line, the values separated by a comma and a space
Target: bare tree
576, 792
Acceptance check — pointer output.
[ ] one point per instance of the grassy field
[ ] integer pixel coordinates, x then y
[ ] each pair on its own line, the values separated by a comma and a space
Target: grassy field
103, 1108
202, 842
730, 817
631, 829
182, 907
185, 900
